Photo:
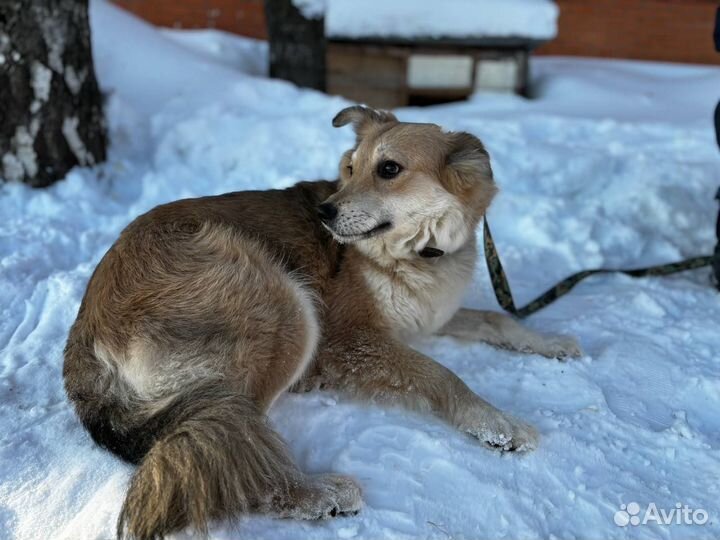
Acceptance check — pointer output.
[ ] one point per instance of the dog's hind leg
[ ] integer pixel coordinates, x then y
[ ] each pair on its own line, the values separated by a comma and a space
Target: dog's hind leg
504, 332
217, 332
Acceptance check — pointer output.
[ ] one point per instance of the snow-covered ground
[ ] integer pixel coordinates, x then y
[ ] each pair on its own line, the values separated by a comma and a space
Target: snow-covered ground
613, 164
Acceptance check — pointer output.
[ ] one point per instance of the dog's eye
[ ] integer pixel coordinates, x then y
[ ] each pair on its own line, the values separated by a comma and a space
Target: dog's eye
389, 169
349, 169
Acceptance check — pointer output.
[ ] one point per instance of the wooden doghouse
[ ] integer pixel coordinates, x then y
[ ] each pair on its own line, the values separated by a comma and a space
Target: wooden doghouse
407, 67
392, 73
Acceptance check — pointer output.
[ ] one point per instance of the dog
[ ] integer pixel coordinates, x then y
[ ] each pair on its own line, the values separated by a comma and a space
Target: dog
204, 311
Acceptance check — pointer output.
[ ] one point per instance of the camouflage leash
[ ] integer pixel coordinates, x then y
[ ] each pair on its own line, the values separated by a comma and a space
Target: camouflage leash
505, 298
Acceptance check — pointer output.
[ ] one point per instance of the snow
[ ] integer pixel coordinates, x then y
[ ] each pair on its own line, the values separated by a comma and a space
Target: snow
75, 142
311, 9
614, 164
73, 79
23, 159
54, 35
248, 55
422, 18
40, 82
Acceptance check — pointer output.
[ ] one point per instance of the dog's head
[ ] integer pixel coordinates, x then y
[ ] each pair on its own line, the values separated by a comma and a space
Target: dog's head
405, 188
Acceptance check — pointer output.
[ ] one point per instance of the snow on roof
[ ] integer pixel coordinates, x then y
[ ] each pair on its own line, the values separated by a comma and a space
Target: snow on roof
535, 19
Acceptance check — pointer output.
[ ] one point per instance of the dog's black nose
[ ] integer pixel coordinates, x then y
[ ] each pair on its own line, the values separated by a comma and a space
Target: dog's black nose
327, 211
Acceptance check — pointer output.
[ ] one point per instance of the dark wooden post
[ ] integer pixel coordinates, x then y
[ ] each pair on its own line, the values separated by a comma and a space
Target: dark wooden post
51, 116
297, 45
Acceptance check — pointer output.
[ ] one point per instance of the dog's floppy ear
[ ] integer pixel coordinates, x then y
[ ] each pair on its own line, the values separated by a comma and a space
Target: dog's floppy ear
467, 161
362, 118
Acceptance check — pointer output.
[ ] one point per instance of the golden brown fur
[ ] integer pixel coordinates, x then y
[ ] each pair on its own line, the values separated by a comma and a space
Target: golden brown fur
205, 310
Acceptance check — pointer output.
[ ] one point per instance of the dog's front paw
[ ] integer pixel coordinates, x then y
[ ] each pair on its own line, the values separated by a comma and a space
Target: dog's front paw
503, 432
559, 346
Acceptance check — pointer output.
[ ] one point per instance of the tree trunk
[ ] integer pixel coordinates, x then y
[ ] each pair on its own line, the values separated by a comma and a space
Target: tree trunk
297, 45
51, 116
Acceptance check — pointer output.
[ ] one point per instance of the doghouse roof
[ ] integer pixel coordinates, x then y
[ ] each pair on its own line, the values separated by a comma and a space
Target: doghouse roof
477, 20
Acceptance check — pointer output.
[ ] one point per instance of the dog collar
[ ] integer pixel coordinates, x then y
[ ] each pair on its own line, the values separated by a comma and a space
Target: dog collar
431, 252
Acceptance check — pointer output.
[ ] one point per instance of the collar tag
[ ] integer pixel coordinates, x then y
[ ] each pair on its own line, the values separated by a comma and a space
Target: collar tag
431, 252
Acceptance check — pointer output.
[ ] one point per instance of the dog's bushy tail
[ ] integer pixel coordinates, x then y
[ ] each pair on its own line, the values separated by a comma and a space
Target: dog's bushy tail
216, 458
205, 453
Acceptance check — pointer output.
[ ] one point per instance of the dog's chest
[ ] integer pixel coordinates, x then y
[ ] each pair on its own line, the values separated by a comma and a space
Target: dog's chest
419, 298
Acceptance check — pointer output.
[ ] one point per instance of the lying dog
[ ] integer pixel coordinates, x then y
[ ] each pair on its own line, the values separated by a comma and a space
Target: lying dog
205, 310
